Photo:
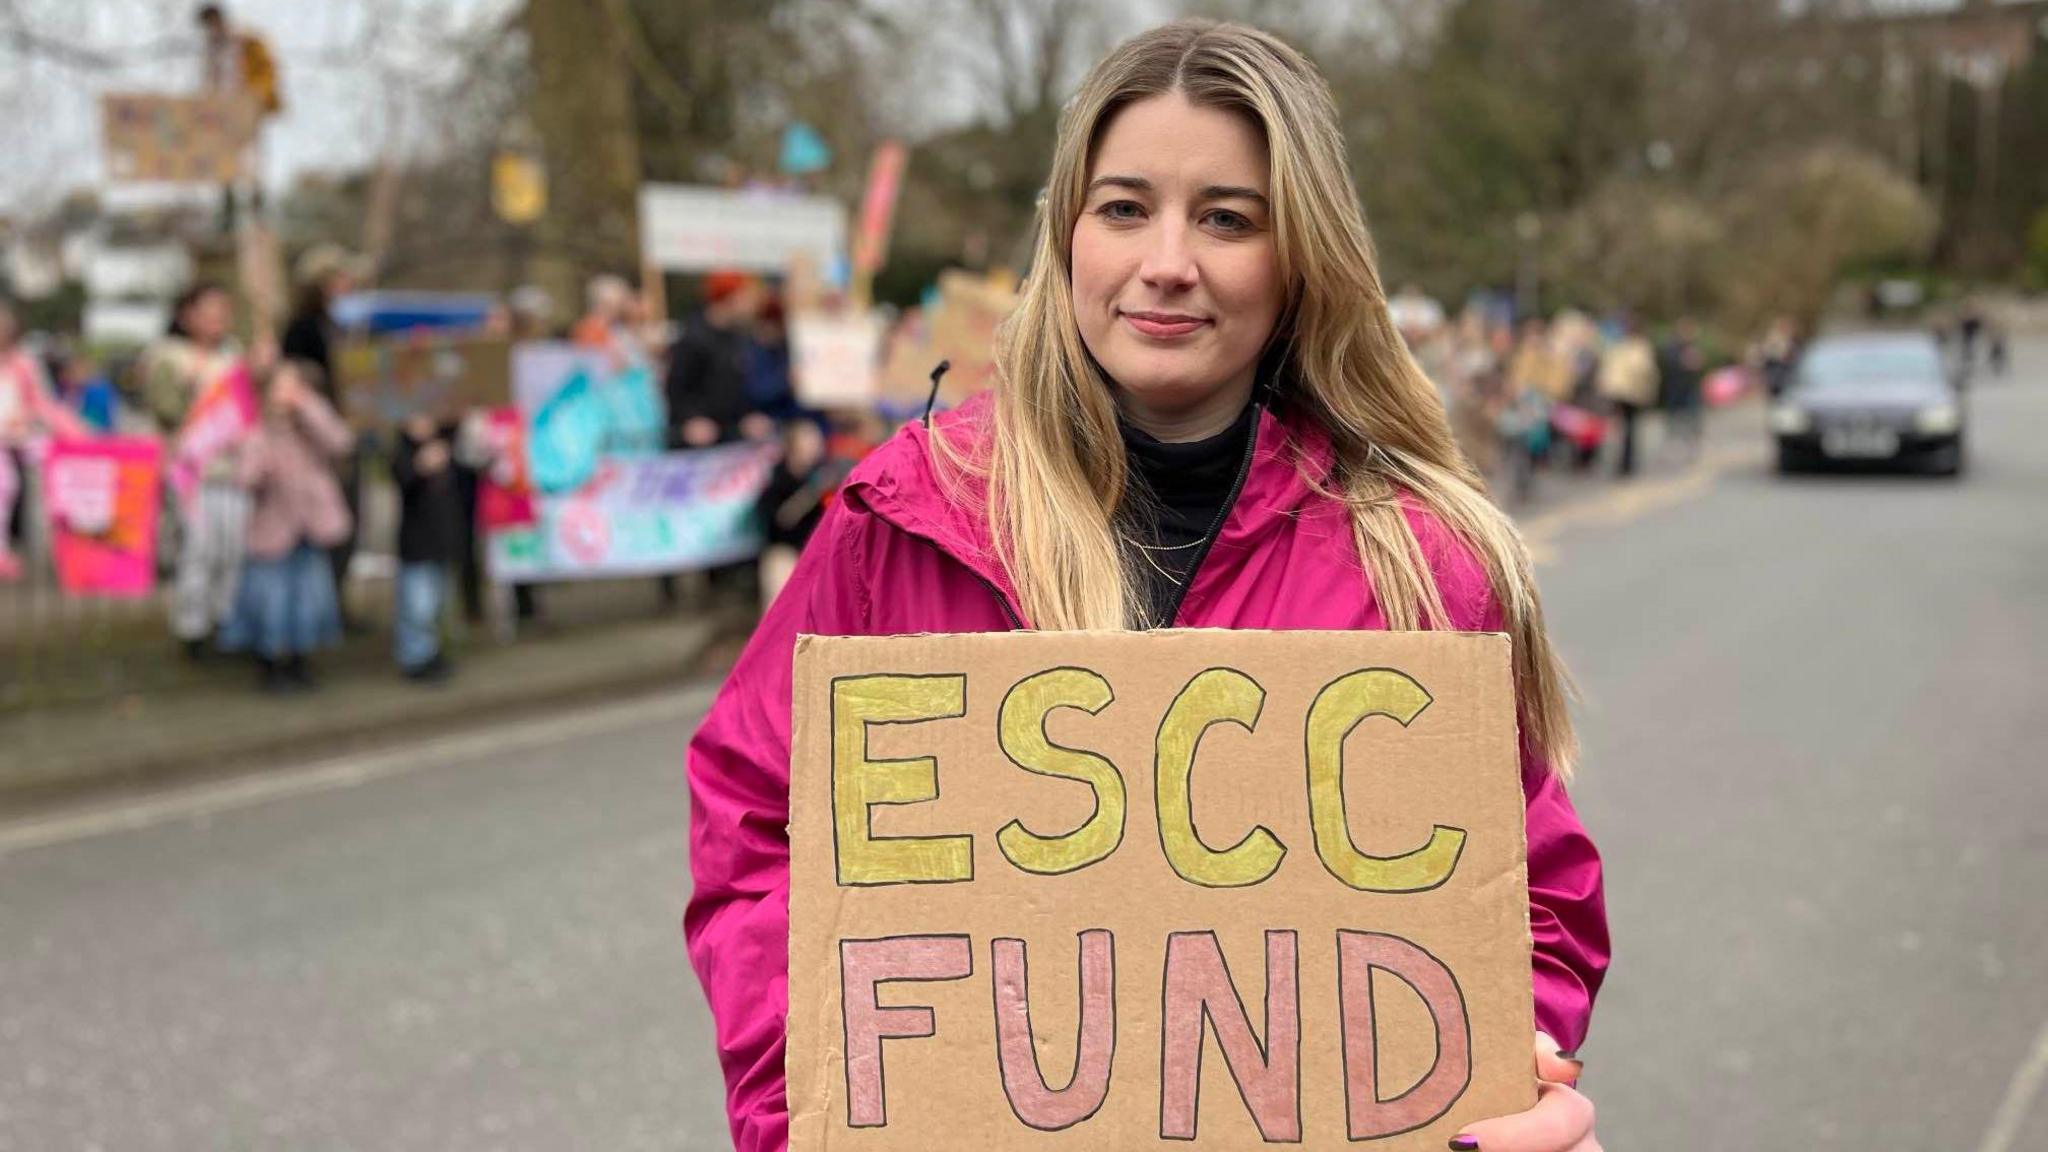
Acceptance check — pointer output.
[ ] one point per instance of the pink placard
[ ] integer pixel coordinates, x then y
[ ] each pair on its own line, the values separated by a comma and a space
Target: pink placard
102, 504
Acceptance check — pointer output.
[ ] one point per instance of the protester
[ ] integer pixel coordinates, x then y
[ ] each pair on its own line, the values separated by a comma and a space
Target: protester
805, 482
769, 389
29, 413
1628, 381
532, 317
296, 513
1775, 354
1191, 429
85, 389
707, 374
532, 313
611, 323
324, 275
1682, 369
1531, 379
430, 539
238, 63
1471, 387
195, 357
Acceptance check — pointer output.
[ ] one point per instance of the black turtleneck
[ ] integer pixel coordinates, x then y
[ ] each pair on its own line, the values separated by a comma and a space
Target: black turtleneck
1180, 493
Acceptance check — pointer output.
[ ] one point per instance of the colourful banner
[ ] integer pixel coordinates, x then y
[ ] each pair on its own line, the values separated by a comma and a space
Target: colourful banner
221, 415
581, 407
641, 516
102, 504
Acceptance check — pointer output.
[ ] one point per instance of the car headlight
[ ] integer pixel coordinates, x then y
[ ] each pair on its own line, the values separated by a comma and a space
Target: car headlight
1787, 420
1939, 420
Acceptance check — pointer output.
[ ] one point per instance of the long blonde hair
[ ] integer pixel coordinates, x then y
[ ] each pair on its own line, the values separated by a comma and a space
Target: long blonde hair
1054, 466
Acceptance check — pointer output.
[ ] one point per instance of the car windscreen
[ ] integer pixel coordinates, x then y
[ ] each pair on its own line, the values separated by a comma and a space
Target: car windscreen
1843, 368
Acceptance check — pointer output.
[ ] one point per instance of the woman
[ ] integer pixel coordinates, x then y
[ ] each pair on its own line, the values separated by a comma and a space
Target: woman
325, 274
296, 513
29, 412
195, 363
1206, 419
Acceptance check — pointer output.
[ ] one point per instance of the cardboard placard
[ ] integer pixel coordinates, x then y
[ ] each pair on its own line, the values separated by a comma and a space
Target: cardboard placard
1111, 890
180, 139
963, 328
386, 379
836, 359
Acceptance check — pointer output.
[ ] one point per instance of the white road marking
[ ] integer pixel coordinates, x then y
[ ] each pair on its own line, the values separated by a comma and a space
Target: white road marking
348, 771
2026, 1084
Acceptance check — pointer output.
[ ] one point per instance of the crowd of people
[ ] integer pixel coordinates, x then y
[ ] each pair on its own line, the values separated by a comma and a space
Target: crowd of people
260, 516
1570, 389
260, 542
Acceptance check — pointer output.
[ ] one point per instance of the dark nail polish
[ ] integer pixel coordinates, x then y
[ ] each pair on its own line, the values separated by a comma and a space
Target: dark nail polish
1464, 1144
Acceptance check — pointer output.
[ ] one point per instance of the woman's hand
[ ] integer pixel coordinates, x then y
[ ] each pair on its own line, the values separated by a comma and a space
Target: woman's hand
1561, 1121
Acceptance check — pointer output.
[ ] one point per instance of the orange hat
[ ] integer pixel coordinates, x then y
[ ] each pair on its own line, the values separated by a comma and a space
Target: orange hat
724, 284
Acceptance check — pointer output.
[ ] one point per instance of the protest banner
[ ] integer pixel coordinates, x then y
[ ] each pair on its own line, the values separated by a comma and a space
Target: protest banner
836, 358
176, 139
102, 500
223, 412
640, 516
582, 405
1016, 922
383, 380
687, 228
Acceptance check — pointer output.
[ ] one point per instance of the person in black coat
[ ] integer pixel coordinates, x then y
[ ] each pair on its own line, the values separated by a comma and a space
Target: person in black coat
708, 401
430, 540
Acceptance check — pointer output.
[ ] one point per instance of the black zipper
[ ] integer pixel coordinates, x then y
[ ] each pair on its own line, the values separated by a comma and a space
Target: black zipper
1244, 471
1002, 601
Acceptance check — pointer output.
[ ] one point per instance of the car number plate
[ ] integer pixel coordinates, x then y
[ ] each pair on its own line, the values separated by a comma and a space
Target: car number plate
1860, 443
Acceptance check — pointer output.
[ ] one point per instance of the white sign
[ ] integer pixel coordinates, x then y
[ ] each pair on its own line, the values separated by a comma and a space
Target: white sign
835, 359
685, 228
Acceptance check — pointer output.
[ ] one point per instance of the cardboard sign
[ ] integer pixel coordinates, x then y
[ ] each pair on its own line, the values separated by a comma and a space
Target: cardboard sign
384, 380
180, 139
1116, 890
836, 358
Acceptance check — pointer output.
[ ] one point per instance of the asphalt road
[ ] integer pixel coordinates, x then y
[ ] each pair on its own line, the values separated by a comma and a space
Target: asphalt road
1817, 728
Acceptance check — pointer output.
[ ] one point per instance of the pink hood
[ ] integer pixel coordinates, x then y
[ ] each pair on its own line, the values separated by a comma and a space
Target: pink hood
896, 556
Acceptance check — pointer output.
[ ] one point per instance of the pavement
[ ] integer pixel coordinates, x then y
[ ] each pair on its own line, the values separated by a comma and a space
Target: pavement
1814, 764
169, 721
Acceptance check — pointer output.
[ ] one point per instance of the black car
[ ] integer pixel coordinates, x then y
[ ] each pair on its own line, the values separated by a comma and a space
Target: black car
1870, 398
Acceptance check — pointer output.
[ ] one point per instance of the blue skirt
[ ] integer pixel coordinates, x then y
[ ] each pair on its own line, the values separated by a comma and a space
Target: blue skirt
285, 606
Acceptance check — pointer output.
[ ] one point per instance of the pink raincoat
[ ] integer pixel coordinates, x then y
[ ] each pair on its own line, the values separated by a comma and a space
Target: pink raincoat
894, 556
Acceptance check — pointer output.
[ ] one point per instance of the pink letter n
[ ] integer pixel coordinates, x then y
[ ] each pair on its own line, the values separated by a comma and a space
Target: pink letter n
1199, 991
864, 964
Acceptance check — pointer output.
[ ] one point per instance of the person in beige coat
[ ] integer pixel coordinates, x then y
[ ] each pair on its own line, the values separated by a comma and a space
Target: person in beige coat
296, 513
1629, 380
